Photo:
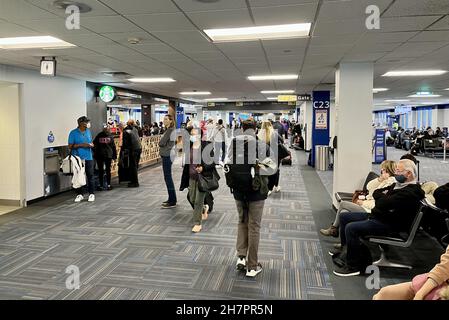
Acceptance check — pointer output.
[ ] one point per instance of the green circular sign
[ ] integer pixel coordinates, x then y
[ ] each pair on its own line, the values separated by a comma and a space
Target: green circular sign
107, 93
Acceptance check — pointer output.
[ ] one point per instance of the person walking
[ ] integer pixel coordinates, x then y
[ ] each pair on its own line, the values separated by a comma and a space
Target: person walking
246, 176
104, 152
133, 147
167, 152
219, 138
195, 165
80, 144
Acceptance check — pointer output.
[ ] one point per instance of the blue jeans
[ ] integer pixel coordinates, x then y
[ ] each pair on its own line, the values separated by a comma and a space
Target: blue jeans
89, 166
166, 167
356, 225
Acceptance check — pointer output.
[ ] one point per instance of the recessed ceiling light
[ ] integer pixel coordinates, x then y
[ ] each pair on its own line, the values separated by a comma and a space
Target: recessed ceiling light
376, 90
277, 91
64, 4
282, 31
41, 42
151, 80
195, 93
216, 99
414, 73
274, 77
397, 100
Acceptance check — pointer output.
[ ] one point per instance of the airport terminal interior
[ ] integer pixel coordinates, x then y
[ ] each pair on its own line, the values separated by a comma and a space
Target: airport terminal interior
103, 104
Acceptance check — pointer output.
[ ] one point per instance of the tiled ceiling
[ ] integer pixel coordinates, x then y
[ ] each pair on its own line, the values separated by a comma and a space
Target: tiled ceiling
414, 34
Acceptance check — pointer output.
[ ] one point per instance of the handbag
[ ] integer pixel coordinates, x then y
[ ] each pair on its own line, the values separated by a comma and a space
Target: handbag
207, 183
356, 194
283, 151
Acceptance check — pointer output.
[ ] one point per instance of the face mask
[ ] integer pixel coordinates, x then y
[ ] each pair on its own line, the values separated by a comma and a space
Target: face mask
88, 125
193, 139
400, 178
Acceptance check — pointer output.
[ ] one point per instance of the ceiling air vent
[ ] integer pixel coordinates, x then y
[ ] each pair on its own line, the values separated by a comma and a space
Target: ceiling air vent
63, 4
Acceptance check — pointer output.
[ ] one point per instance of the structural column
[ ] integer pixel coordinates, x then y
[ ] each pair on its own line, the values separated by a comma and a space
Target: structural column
354, 106
308, 119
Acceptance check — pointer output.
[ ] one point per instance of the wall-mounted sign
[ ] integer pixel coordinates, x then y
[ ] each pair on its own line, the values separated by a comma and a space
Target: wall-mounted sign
287, 98
48, 67
239, 104
51, 137
211, 104
380, 150
304, 97
107, 93
321, 120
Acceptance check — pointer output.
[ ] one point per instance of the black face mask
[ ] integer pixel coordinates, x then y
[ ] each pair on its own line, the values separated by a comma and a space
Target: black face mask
400, 178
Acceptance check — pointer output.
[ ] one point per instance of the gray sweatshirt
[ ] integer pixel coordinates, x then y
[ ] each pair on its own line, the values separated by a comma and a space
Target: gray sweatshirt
166, 145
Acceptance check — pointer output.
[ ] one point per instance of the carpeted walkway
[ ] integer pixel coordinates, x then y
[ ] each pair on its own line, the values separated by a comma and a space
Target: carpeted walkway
126, 247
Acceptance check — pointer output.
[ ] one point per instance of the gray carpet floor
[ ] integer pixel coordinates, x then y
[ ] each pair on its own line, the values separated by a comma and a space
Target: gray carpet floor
126, 247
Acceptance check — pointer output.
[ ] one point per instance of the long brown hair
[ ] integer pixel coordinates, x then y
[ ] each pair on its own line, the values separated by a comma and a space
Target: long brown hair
172, 122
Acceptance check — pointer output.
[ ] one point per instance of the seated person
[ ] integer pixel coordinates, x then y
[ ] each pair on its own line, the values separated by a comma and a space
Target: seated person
431, 286
395, 210
387, 169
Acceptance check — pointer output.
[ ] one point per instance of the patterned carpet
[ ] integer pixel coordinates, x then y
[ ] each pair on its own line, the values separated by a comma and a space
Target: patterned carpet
126, 247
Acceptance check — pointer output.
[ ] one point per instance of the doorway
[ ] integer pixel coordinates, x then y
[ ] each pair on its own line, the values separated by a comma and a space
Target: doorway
11, 184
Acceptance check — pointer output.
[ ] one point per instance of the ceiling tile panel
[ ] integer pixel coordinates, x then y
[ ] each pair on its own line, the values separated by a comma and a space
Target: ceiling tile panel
284, 14
221, 19
141, 6
402, 8
193, 5
163, 22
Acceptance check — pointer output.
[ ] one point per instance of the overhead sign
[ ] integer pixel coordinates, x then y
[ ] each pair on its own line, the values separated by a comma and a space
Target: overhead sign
287, 98
107, 93
304, 97
48, 67
211, 104
239, 104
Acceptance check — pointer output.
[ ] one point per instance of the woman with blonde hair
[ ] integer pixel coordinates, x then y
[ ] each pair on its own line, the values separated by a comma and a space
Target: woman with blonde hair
270, 136
386, 178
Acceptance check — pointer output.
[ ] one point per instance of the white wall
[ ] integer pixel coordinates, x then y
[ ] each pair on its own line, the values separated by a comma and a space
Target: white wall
10, 186
47, 104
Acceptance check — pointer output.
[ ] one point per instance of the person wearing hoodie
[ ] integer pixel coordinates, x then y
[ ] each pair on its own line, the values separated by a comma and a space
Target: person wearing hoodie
394, 211
104, 152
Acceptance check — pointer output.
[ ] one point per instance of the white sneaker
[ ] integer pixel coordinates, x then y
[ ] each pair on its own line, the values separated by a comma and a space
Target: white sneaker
252, 273
91, 198
277, 189
241, 263
269, 193
79, 198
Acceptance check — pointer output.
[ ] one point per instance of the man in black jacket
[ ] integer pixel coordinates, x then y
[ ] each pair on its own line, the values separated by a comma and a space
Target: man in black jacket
131, 145
395, 211
104, 152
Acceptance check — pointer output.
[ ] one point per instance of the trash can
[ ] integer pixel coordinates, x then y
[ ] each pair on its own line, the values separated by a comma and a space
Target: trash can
322, 158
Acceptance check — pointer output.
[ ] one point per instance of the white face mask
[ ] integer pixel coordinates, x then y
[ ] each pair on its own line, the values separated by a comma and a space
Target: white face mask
88, 125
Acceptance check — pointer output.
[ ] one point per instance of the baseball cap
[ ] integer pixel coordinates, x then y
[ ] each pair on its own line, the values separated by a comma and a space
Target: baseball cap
83, 119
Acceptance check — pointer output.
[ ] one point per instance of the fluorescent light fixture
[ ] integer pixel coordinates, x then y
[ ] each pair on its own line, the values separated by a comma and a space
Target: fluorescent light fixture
414, 73
274, 77
216, 99
424, 95
195, 93
376, 90
447, 89
282, 31
277, 91
42, 42
272, 98
151, 80
160, 100
397, 100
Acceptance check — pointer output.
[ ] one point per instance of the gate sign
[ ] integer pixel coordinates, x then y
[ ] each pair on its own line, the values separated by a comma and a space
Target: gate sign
380, 150
321, 119
179, 116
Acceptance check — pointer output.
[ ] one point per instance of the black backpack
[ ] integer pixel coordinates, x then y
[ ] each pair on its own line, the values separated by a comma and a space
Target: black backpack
238, 174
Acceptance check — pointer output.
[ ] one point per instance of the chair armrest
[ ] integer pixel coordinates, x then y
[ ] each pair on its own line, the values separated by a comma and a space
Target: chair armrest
429, 205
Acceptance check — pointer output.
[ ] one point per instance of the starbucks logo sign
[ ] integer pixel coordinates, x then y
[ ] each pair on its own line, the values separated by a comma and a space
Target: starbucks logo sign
107, 93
